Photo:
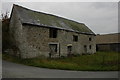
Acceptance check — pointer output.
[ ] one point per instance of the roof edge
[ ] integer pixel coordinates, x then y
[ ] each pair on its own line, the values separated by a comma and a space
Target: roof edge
58, 28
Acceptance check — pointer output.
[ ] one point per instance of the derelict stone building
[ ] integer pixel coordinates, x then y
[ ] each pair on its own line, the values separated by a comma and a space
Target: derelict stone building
36, 34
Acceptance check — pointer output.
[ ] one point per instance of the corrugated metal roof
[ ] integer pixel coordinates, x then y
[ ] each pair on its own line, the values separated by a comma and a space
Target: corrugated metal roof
42, 19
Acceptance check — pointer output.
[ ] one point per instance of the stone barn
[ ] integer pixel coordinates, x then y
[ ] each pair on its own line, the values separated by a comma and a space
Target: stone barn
35, 34
108, 42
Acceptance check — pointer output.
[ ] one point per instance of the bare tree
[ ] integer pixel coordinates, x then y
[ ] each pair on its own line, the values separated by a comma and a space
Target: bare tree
5, 31
5, 16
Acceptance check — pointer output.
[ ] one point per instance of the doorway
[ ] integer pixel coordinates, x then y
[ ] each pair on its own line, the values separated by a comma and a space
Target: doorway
54, 49
69, 50
85, 49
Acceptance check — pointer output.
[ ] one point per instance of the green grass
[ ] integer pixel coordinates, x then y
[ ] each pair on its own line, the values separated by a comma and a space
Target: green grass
101, 61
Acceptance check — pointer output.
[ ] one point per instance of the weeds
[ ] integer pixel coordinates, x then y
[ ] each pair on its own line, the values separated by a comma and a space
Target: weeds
101, 61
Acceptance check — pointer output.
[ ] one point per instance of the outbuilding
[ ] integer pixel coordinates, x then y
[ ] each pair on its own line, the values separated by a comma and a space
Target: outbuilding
108, 42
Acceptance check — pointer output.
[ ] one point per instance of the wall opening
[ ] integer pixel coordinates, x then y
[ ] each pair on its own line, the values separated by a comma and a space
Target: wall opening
75, 38
54, 49
69, 50
85, 48
90, 47
90, 39
52, 33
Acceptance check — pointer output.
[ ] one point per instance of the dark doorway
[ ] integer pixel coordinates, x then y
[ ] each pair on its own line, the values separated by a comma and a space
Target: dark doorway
85, 49
69, 49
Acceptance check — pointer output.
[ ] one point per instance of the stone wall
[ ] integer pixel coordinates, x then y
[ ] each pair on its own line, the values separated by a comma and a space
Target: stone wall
15, 31
37, 41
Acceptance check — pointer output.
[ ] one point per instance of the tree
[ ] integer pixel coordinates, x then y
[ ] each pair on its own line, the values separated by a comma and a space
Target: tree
5, 31
5, 16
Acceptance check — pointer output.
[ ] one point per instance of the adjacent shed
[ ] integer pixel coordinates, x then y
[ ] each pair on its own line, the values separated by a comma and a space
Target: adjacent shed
108, 42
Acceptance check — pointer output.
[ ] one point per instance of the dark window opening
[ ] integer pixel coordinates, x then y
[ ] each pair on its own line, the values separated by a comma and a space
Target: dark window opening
75, 38
85, 46
53, 33
90, 39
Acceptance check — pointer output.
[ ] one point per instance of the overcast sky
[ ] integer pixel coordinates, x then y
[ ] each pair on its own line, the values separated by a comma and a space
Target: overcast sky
100, 17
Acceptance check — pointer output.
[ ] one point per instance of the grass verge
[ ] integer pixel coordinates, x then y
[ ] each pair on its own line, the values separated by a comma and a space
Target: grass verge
101, 61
